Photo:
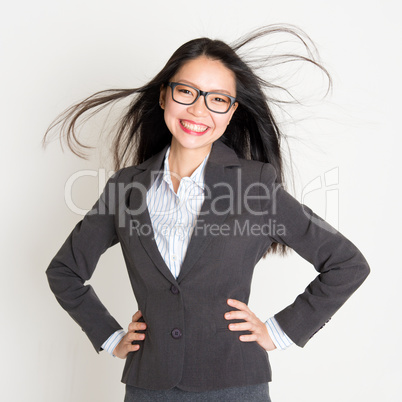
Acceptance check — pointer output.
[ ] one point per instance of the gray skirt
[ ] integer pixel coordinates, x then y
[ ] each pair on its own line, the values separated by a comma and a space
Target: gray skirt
252, 393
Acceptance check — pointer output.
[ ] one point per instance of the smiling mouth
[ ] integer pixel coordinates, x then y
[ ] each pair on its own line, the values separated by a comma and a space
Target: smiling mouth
194, 127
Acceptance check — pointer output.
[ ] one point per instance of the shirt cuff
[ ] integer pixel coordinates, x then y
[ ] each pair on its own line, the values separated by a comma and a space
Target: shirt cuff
279, 338
113, 340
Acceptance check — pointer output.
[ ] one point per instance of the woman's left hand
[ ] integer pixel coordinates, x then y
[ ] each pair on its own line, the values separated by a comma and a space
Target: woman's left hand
258, 329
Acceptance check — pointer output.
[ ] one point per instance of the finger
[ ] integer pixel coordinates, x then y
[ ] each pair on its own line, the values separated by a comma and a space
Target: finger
237, 314
136, 316
135, 336
241, 326
248, 338
123, 350
126, 349
238, 304
129, 347
137, 326
133, 348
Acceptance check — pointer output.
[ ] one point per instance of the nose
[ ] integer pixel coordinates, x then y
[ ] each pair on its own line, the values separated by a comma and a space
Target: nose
199, 108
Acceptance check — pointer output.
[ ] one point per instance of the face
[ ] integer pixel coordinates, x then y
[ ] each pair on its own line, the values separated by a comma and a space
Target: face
194, 127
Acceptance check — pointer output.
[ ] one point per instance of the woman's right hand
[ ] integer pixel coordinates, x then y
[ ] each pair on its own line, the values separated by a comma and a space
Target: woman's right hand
125, 346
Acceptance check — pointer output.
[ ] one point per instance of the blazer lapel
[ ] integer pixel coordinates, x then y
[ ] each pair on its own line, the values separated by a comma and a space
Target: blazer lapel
140, 218
221, 185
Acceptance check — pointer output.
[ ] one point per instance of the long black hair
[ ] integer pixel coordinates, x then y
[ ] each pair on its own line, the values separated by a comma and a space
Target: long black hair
252, 133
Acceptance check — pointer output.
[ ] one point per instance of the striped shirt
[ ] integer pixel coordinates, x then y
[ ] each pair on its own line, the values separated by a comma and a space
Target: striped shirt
173, 216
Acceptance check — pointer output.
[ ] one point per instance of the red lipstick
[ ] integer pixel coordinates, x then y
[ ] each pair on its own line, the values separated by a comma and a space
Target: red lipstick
192, 132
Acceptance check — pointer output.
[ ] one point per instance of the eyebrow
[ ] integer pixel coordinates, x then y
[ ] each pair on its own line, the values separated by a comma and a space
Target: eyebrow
214, 90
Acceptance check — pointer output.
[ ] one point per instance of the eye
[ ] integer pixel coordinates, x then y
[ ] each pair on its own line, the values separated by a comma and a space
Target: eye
219, 99
184, 91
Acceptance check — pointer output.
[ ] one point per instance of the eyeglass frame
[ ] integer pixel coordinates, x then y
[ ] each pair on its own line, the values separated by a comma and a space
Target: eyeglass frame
172, 85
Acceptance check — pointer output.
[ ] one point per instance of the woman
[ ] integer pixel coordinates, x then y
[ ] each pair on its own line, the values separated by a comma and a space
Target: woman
200, 203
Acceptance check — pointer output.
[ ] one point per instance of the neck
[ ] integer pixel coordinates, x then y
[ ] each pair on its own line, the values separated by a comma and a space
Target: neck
183, 162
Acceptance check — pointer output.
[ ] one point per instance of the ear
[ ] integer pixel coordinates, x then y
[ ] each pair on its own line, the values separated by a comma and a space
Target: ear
232, 110
162, 96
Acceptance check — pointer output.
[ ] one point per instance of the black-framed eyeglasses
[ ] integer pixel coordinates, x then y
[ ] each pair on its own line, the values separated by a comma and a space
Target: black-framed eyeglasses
187, 95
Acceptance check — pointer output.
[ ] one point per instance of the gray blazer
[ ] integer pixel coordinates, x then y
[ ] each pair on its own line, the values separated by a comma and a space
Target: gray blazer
188, 343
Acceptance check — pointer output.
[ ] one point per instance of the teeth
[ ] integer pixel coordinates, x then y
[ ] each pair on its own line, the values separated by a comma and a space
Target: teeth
194, 127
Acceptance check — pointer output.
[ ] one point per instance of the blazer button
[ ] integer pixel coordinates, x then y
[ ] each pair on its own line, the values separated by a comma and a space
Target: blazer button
174, 290
176, 333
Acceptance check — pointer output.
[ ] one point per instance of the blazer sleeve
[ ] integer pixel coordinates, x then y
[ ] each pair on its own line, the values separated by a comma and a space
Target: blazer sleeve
76, 261
341, 266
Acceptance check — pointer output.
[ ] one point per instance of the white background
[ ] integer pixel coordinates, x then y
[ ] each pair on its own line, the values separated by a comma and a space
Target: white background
54, 53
